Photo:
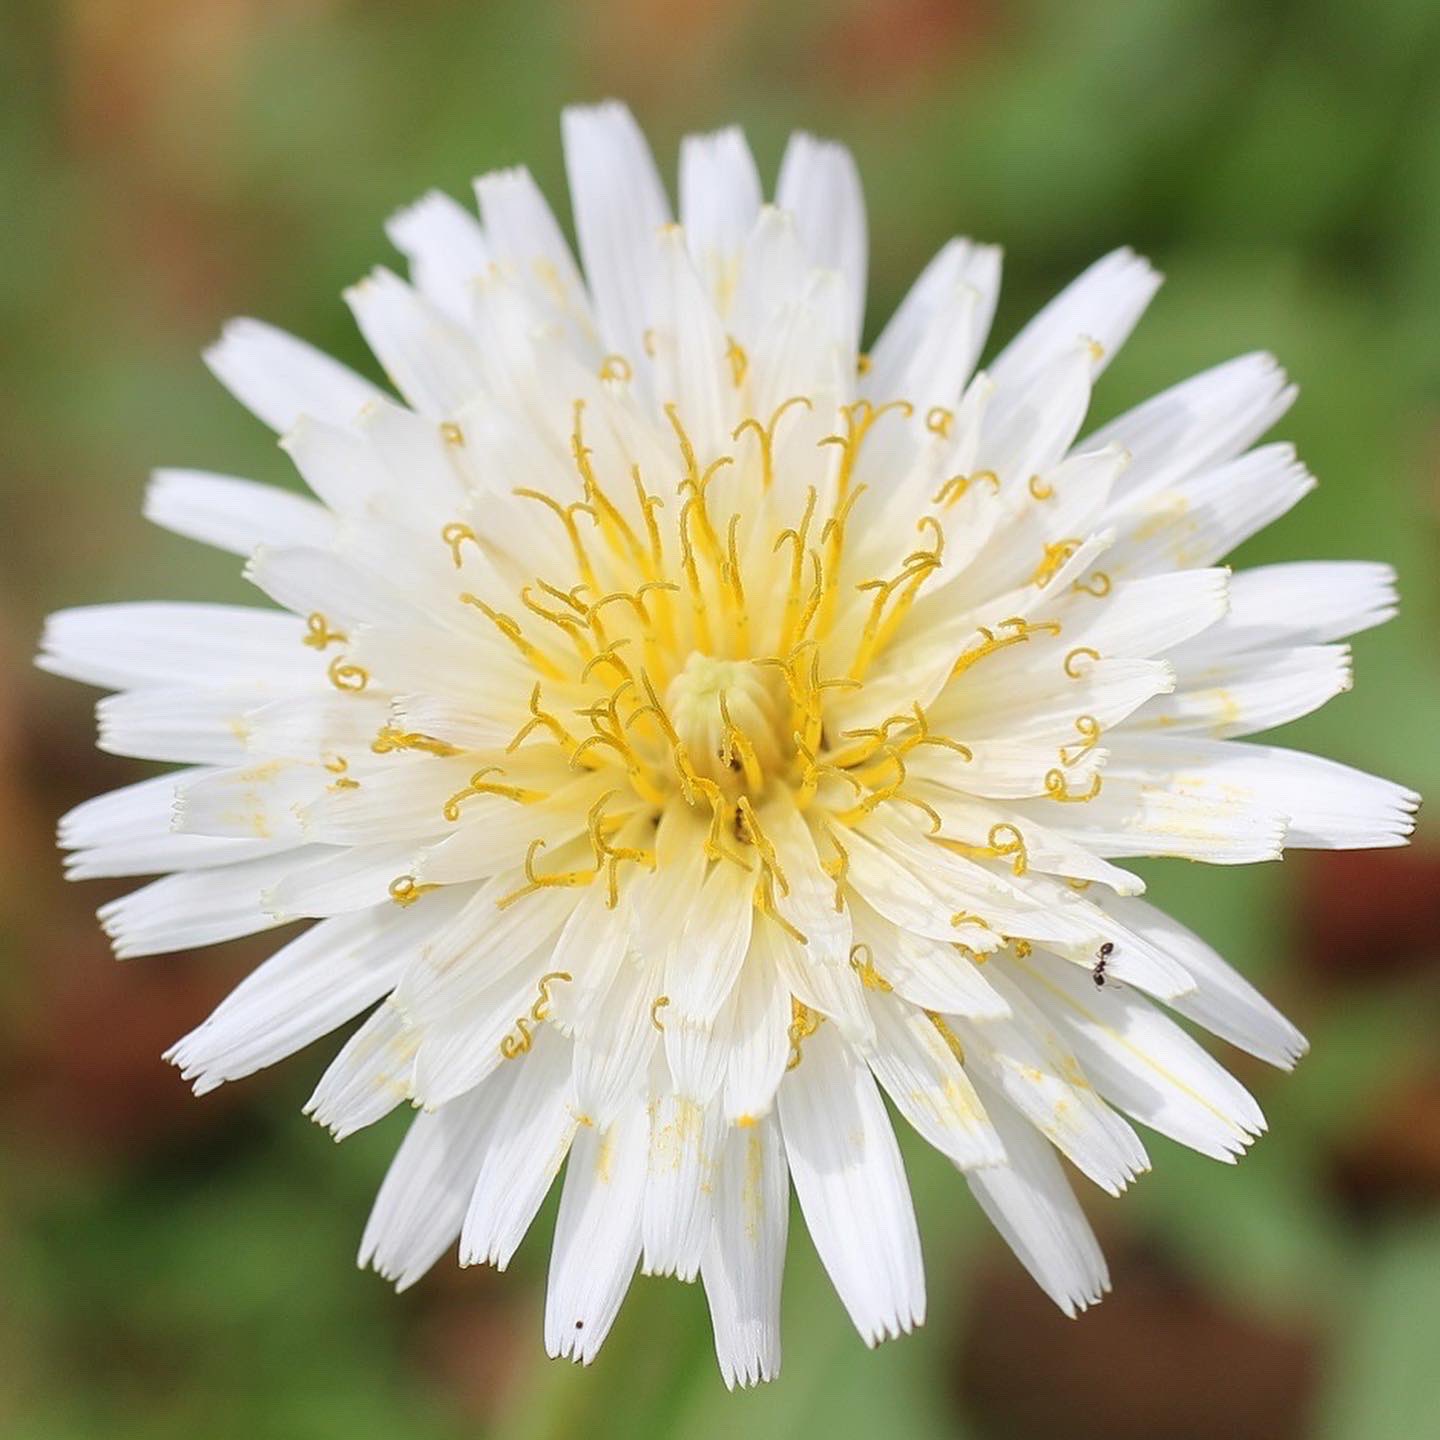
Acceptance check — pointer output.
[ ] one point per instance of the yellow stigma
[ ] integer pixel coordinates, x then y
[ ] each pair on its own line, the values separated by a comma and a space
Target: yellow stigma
702, 633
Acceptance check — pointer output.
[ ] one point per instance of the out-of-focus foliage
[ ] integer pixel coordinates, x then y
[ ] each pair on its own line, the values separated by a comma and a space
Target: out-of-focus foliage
178, 1267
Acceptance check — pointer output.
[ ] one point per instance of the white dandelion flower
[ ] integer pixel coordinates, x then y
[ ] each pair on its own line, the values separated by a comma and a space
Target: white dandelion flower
685, 731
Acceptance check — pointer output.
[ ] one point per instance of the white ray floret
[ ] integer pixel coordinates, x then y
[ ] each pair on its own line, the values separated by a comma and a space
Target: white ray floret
684, 731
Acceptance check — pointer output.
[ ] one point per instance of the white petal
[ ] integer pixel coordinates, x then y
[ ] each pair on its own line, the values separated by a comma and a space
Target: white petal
927, 1084
529, 1137
421, 1201
719, 202
897, 869
1225, 1003
402, 799
492, 944
194, 908
316, 725
1134, 960
530, 248
1207, 419
679, 873
127, 832
459, 1050
1143, 1063
685, 1140
1048, 851
614, 1042
808, 898
1304, 603
619, 204
745, 1261
369, 1077
929, 347
1030, 425
1328, 806
233, 515
445, 247
772, 275
1253, 692
699, 1052
1140, 810
591, 947
308, 580
279, 378
161, 853
196, 727
338, 464
304, 990
933, 974
706, 956
421, 465
129, 815
1031, 1204
688, 342
1102, 305
759, 1040
1033, 1069
1140, 618
820, 185
433, 364
340, 881
801, 348
257, 801
597, 1237
1201, 518
163, 643
896, 891
852, 1187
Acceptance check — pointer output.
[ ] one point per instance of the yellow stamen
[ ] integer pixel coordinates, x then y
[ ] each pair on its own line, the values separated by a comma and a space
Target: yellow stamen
804, 1022
479, 785
1098, 585
739, 360
405, 892
509, 627
1056, 555
1020, 631
1089, 730
562, 879
765, 434
862, 961
343, 676
455, 534
1057, 787
391, 739
1074, 655
318, 633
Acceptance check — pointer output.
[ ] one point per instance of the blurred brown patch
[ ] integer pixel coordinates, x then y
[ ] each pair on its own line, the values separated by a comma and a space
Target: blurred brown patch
471, 1336
888, 49
1370, 914
655, 52
1394, 1164
85, 1074
1158, 1358
148, 93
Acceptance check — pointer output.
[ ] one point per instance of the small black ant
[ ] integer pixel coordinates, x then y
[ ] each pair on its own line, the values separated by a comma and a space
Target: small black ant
1102, 959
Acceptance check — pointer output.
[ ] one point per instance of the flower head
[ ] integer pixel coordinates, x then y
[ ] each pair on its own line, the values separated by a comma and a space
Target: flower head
684, 729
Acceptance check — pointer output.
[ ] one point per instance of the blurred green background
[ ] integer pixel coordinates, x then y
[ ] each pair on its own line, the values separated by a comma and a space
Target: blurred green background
182, 1268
